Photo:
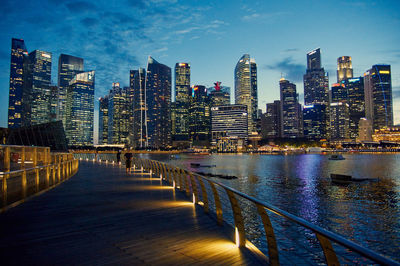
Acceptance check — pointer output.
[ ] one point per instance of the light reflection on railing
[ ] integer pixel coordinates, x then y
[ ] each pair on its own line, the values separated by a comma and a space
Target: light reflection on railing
26, 171
239, 210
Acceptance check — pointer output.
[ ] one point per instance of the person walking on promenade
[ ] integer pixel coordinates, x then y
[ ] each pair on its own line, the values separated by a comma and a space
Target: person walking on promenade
118, 156
128, 161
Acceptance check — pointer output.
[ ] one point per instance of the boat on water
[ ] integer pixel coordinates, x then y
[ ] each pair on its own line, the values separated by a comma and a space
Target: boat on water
336, 157
347, 179
202, 165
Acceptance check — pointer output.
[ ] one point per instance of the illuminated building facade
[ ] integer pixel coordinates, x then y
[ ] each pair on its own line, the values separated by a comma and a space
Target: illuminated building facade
119, 112
271, 121
344, 68
19, 55
219, 95
200, 117
387, 134
364, 130
39, 85
138, 84
316, 92
158, 102
378, 96
314, 120
246, 88
103, 120
356, 101
290, 117
80, 109
340, 121
183, 96
68, 67
229, 121
339, 93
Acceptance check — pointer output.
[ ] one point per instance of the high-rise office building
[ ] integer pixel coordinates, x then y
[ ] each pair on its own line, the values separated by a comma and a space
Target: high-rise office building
339, 93
219, 95
200, 117
340, 121
356, 101
39, 85
138, 83
119, 113
344, 68
314, 116
183, 95
271, 121
316, 92
19, 56
289, 110
68, 67
246, 88
103, 120
378, 96
158, 101
80, 109
229, 121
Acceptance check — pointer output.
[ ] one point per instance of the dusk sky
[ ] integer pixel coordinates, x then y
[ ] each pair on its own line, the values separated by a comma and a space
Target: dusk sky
115, 36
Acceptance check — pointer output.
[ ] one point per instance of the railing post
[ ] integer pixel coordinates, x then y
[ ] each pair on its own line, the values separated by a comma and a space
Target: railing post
186, 179
240, 234
269, 232
35, 155
47, 163
329, 252
204, 195
218, 207
23, 158
194, 187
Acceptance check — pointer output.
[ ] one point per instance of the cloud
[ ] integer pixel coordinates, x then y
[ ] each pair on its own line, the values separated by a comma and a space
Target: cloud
264, 16
163, 49
396, 92
251, 17
290, 50
80, 7
292, 71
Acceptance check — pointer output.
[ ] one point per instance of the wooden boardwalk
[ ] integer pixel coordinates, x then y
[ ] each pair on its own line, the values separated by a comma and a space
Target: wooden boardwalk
104, 216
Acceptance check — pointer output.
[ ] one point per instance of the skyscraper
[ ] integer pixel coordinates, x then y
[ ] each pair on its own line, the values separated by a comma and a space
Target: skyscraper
289, 110
246, 88
378, 96
219, 95
119, 113
103, 120
200, 117
68, 67
356, 101
19, 55
344, 68
39, 85
271, 121
183, 95
339, 120
339, 93
316, 91
138, 83
314, 116
229, 121
158, 101
80, 109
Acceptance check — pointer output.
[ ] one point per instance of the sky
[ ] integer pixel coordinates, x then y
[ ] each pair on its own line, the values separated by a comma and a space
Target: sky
114, 37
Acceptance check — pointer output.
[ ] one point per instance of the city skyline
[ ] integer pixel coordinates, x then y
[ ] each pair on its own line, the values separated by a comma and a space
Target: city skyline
209, 39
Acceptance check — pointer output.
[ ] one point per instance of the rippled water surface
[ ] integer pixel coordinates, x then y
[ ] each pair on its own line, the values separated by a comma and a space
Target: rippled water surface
367, 212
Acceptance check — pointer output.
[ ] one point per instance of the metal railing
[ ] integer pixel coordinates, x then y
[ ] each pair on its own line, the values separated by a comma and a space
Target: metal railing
212, 195
26, 171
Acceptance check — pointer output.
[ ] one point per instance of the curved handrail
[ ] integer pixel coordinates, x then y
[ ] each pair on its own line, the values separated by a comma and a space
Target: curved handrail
323, 235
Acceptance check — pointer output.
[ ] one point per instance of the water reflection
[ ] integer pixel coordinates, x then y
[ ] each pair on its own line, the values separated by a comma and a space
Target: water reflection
366, 212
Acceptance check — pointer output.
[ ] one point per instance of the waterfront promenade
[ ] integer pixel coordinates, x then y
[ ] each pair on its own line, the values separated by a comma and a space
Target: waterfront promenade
104, 216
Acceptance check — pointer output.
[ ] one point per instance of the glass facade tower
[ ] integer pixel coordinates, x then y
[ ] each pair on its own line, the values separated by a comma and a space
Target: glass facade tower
246, 88
80, 109
290, 117
15, 103
138, 83
103, 120
183, 95
68, 67
158, 101
344, 68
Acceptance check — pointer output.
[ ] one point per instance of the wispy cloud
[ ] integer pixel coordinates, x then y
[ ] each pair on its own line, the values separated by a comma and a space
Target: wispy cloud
264, 16
289, 69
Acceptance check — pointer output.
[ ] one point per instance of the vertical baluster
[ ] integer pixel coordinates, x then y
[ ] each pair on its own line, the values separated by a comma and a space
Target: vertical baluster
329, 252
218, 207
204, 194
269, 232
238, 218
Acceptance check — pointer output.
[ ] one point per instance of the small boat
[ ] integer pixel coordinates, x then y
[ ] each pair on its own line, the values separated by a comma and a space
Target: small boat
341, 179
336, 157
202, 165
194, 164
